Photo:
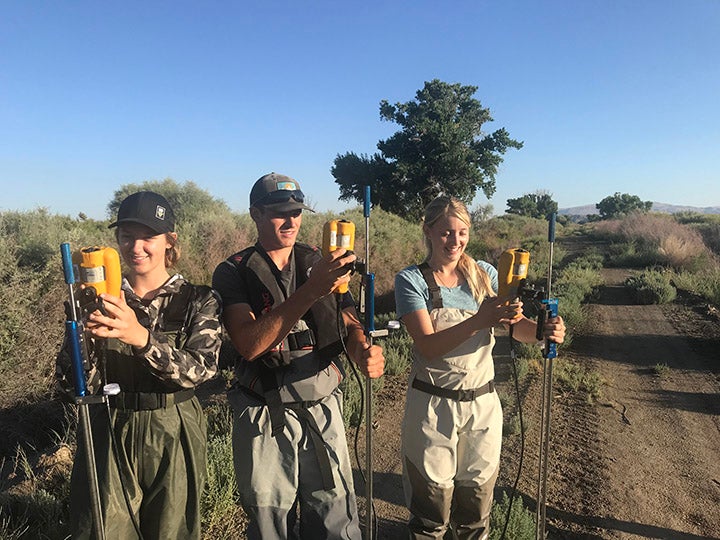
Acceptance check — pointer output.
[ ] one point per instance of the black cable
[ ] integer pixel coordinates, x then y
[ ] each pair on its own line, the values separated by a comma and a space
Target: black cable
522, 433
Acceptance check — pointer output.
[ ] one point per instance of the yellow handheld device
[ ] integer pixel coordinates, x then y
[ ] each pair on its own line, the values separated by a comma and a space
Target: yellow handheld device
512, 271
99, 267
338, 233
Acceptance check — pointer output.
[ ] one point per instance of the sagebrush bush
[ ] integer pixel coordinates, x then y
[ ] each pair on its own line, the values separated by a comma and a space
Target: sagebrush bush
705, 282
652, 287
649, 239
521, 522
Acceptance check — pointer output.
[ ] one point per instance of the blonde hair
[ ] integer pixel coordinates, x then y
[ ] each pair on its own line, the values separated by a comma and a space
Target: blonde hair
477, 279
172, 254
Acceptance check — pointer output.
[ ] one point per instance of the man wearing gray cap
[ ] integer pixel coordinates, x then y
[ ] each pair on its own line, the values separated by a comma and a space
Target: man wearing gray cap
283, 318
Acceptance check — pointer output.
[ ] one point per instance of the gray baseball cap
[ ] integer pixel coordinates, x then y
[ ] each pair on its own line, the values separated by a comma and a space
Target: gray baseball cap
279, 193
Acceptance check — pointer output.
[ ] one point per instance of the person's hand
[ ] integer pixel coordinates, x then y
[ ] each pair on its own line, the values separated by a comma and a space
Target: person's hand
330, 272
554, 330
370, 360
120, 322
495, 311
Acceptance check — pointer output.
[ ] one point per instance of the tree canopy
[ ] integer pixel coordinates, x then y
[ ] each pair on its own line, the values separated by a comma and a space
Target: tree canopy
536, 205
619, 205
440, 149
187, 200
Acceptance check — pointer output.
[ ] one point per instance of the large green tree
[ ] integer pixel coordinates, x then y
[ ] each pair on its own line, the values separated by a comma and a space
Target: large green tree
621, 204
536, 205
441, 149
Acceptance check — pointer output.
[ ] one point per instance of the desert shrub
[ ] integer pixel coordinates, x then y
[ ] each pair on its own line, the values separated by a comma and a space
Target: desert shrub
704, 282
508, 231
710, 233
36, 506
222, 517
208, 241
652, 287
574, 284
649, 239
575, 377
520, 523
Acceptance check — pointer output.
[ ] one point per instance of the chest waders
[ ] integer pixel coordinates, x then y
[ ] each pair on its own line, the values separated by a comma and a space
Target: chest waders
131, 457
452, 432
266, 286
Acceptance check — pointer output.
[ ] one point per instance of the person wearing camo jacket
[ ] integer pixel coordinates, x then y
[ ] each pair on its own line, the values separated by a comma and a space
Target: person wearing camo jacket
157, 341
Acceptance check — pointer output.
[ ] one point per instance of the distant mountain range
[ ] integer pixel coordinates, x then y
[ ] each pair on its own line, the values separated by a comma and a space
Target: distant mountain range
590, 209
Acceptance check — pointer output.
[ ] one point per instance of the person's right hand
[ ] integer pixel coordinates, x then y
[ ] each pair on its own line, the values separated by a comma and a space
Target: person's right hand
495, 311
330, 272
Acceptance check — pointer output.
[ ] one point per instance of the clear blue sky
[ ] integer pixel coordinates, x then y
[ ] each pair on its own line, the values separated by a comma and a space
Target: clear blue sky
608, 96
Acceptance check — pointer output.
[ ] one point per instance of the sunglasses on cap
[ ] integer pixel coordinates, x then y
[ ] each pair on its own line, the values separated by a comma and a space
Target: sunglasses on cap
282, 195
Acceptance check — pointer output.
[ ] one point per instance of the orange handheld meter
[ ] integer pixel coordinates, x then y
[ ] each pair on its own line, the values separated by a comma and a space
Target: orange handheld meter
512, 271
338, 233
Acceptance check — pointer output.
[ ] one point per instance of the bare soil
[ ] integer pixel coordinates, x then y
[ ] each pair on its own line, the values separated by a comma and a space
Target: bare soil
642, 461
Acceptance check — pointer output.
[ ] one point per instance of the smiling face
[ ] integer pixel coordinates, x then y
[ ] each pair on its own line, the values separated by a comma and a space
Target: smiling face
276, 230
447, 236
143, 250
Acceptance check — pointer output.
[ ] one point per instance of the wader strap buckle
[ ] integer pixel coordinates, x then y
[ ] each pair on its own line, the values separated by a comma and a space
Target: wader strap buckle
469, 394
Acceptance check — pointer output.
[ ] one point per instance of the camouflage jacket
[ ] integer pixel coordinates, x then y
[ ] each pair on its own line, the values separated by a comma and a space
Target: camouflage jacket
174, 358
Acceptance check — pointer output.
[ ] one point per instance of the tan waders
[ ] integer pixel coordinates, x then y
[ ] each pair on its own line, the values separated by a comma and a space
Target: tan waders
451, 437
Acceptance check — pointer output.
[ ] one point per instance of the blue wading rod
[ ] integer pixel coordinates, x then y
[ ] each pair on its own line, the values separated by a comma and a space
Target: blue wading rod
550, 310
74, 330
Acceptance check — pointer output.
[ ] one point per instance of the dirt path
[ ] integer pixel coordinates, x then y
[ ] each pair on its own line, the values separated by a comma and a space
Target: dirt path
643, 462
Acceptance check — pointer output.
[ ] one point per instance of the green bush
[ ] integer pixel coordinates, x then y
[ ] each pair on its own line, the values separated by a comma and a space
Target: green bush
520, 525
704, 282
652, 287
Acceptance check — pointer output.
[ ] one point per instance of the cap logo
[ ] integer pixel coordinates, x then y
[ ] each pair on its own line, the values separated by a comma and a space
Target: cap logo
160, 212
286, 185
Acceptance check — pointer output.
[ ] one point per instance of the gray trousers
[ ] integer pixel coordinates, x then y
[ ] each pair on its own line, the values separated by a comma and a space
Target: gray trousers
279, 476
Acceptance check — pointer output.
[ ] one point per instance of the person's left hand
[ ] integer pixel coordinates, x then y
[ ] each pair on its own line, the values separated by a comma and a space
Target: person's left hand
370, 360
120, 322
554, 330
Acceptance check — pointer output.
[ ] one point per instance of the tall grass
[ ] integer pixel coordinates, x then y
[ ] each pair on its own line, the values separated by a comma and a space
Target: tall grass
648, 239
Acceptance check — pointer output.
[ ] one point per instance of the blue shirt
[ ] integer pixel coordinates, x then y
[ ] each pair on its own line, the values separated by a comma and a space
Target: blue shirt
412, 294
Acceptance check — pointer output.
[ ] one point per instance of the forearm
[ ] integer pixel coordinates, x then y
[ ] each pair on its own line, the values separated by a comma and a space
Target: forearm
253, 337
525, 330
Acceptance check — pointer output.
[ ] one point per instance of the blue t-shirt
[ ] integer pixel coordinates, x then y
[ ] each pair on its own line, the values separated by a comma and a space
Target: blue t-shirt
412, 293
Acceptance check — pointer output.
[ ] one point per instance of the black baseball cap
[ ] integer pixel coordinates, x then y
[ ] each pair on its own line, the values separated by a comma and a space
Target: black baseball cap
279, 193
147, 208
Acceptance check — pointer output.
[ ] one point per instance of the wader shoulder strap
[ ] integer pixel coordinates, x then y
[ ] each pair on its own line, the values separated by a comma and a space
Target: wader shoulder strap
435, 295
321, 452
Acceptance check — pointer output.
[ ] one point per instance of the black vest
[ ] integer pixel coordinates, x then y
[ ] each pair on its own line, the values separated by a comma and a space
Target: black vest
262, 281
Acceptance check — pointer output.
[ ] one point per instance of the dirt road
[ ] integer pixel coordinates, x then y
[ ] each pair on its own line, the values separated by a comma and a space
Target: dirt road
641, 462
